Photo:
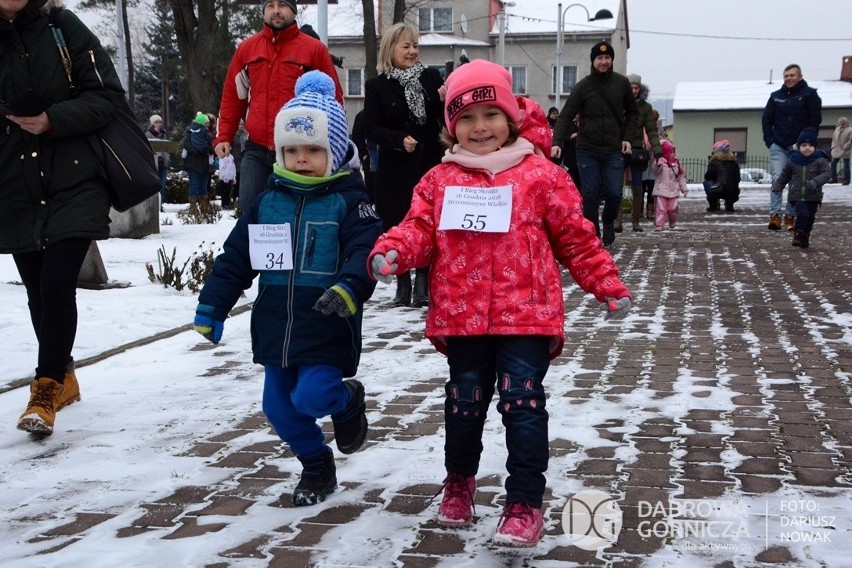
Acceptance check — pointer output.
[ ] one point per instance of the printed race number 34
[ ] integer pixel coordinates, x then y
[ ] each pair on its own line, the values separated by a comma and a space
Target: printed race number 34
270, 247
480, 209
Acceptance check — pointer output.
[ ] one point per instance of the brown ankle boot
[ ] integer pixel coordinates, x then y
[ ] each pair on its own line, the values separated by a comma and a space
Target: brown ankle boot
40, 414
636, 211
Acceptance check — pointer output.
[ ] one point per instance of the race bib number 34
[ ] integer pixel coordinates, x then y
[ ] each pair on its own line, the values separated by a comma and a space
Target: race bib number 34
480, 209
270, 247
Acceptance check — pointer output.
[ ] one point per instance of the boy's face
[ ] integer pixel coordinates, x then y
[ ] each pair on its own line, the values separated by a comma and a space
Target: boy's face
806, 149
305, 159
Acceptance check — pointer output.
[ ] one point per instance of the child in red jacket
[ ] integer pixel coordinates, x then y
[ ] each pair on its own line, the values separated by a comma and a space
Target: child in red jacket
493, 221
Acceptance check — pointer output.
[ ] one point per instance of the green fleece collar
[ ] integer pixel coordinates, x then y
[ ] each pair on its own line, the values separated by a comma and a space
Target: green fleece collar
305, 182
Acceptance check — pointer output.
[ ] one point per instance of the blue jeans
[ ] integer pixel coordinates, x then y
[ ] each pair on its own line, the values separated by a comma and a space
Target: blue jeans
515, 365
845, 175
778, 157
197, 183
293, 399
598, 171
255, 169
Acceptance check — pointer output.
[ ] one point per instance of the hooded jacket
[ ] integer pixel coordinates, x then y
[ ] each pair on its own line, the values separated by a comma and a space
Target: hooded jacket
600, 130
332, 227
788, 112
503, 283
806, 176
724, 173
647, 126
49, 184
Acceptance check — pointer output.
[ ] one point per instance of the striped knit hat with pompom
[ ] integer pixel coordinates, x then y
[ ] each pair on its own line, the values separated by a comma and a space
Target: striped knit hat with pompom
313, 117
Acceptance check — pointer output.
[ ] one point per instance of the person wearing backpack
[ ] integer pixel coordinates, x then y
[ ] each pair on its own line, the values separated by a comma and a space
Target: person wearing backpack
197, 155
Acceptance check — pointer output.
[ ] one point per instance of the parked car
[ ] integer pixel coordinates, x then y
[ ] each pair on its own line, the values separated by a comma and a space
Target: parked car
755, 175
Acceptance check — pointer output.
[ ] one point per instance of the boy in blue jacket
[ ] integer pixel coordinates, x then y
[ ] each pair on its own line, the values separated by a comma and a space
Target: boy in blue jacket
806, 172
307, 237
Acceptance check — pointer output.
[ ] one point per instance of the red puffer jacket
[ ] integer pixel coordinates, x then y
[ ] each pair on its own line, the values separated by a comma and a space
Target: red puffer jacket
262, 76
503, 283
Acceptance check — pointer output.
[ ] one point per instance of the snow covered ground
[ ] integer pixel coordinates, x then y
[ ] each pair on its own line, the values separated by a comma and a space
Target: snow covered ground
142, 409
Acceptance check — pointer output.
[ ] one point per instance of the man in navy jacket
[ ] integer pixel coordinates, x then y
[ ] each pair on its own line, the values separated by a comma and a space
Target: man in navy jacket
789, 110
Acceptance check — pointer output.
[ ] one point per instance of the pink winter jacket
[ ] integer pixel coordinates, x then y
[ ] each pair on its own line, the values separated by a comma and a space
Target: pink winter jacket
670, 180
503, 283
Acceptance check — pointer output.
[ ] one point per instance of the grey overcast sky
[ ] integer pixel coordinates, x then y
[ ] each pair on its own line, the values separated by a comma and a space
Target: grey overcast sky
728, 40
699, 40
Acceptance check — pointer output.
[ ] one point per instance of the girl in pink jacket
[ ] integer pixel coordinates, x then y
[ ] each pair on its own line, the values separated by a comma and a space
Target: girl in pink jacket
493, 222
669, 185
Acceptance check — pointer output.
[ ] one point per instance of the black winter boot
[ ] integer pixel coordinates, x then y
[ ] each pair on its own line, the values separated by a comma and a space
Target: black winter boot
319, 479
350, 425
403, 290
421, 288
801, 239
714, 205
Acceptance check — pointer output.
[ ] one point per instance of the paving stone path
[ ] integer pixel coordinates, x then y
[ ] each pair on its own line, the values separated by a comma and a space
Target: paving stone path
729, 382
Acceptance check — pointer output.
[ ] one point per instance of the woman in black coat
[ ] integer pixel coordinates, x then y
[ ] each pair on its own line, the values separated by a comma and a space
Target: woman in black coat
54, 203
403, 115
722, 178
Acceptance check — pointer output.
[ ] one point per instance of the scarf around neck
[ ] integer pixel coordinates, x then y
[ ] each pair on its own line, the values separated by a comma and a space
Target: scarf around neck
495, 162
410, 81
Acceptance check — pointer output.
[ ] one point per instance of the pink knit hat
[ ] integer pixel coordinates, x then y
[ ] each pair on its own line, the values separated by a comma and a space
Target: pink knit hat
479, 82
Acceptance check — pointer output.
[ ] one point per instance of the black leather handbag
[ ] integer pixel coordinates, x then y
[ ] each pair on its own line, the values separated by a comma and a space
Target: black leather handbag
639, 158
125, 156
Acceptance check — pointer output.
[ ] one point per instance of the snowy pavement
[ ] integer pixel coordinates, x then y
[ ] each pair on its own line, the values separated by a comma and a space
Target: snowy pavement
717, 417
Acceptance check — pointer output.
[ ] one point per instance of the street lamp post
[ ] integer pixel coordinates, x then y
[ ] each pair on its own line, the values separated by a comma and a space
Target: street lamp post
602, 14
501, 20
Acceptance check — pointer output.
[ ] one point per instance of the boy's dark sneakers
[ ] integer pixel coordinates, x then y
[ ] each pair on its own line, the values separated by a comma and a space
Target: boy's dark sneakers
350, 425
801, 239
608, 234
319, 480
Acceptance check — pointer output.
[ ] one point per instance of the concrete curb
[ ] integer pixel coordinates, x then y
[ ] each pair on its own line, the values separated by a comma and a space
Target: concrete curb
22, 382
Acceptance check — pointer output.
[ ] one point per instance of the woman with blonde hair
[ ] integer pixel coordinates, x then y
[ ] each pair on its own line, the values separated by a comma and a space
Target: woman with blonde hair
403, 115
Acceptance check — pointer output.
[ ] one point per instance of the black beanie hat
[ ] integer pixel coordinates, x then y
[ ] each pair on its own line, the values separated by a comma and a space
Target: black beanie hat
291, 3
808, 136
602, 48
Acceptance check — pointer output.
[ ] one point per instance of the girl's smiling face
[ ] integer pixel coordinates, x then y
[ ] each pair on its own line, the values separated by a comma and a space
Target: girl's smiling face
482, 129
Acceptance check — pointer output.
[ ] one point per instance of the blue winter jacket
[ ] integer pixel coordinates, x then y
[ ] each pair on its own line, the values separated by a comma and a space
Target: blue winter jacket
332, 229
788, 112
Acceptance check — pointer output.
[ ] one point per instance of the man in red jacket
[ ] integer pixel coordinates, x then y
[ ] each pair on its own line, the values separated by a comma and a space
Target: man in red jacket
259, 81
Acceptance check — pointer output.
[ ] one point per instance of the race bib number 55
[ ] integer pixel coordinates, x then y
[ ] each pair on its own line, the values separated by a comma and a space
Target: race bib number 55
270, 247
480, 209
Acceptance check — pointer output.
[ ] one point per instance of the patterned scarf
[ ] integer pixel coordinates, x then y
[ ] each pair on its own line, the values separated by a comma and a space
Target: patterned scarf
410, 81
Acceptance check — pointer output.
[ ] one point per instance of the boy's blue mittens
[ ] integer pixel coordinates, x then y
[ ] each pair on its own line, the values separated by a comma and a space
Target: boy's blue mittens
616, 308
204, 324
337, 300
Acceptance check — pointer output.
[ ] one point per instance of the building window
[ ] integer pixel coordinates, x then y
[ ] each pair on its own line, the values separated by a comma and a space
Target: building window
519, 79
569, 79
738, 139
435, 19
354, 82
